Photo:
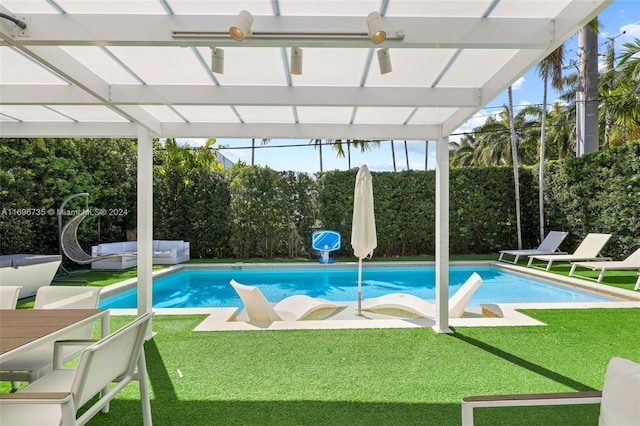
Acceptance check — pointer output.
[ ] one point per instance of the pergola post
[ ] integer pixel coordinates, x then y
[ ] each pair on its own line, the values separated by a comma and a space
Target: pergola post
145, 220
442, 236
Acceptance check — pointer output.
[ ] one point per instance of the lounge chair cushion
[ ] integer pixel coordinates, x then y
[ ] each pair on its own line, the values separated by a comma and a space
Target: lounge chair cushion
292, 308
402, 303
620, 403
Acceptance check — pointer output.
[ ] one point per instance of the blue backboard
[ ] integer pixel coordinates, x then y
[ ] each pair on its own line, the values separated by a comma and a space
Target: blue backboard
325, 241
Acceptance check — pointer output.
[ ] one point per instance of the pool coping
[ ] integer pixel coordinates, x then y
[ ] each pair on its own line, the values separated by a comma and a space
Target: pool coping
488, 315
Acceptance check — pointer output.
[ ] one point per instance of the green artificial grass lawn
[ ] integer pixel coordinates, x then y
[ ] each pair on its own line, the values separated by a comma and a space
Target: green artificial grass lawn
375, 377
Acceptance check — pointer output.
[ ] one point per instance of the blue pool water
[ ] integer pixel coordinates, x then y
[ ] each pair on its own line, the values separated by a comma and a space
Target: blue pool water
210, 288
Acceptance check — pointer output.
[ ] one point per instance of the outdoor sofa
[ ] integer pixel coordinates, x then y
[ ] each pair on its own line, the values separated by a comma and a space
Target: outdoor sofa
165, 252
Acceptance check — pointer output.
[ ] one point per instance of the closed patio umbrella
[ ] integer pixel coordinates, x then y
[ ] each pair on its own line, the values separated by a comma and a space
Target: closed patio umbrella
363, 228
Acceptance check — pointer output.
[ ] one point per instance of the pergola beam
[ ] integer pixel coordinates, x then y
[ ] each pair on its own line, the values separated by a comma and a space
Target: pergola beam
60, 94
224, 130
156, 30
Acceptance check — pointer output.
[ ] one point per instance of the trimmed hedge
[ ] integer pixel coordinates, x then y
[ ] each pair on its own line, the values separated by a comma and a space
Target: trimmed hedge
249, 212
599, 192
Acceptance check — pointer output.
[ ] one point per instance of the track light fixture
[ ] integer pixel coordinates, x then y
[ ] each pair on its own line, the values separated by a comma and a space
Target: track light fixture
241, 29
296, 61
241, 26
384, 61
377, 34
217, 60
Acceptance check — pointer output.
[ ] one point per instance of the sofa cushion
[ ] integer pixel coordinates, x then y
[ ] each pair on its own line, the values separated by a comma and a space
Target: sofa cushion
109, 248
129, 247
170, 245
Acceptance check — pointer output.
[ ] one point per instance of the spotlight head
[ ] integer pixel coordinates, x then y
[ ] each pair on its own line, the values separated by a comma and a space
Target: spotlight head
296, 61
217, 60
384, 61
241, 26
376, 30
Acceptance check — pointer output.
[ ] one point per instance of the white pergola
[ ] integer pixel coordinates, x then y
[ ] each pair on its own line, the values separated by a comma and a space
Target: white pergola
142, 69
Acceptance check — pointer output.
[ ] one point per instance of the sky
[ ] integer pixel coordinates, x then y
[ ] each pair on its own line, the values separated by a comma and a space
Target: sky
620, 21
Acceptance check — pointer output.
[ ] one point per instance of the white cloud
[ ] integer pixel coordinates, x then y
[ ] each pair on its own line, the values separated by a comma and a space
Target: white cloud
631, 31
518, 83
477, 120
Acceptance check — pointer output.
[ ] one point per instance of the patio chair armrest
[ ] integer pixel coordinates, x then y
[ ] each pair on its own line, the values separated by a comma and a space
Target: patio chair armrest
521, 400
34, 397
60, 344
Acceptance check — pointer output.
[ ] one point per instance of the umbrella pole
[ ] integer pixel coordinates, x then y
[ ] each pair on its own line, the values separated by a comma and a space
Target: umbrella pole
359, 286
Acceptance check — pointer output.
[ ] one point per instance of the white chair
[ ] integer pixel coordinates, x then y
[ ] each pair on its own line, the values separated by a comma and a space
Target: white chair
38, 361
9, 296
408, 304
619, 399
292, 308
630, 263
67, 297
55, 398
549, 245
589, 249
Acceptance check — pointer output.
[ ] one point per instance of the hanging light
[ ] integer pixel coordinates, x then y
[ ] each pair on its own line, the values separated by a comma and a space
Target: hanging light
296, 61
384, 61
217, 60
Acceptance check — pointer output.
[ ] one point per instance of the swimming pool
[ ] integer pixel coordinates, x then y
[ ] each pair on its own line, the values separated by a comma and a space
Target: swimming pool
192, 288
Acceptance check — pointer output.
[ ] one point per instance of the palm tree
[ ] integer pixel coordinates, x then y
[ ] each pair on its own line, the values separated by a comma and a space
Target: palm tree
363, 146
625, 95
630, 62
253, 149
406, 154
606, 90
464, 152
337, 145
393, 156
587, 100
426, 156
318, 144
494, 137
514, 154
551, 65
561, 133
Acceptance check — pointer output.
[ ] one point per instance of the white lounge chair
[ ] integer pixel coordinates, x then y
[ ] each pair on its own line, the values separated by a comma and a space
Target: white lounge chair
292, 308
403, 303
619, 399
589, 249
55, 398
549, 245
9, 296
38, 360
630, 263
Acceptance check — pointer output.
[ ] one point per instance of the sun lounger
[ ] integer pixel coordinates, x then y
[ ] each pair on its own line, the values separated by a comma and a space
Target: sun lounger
619, 399
417, 307
549, 245
292, 308
589, 249
630, 263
